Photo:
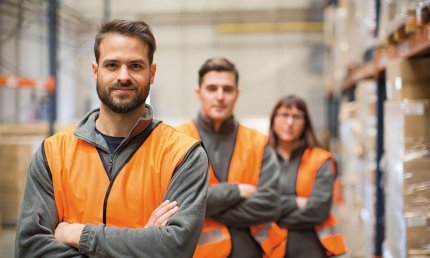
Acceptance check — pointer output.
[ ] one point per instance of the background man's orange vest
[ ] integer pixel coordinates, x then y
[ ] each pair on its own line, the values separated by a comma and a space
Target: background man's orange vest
245, 167
83, 192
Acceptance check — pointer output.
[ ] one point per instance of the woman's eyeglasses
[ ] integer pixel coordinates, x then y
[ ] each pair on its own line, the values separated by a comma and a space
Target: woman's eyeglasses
294, 117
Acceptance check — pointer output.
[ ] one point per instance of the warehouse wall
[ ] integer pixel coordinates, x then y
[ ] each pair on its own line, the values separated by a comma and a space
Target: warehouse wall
271, 63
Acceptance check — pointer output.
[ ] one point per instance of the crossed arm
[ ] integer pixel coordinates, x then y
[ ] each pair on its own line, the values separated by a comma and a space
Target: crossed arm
305, 213
70, 233
242, 205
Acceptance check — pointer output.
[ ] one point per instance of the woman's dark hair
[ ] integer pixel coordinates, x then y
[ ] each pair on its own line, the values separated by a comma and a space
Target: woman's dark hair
307, 138
137, 29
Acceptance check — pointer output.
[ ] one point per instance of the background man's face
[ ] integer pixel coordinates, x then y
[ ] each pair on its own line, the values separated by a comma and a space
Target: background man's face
217, 94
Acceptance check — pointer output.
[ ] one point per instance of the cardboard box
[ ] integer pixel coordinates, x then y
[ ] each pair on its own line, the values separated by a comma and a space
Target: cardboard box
417, 125
15, 156
416, 171
406, 126
408, 79
30, 129
418, 234
416, 186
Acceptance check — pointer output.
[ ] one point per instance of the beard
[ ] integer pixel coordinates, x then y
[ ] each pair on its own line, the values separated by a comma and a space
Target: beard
122, 104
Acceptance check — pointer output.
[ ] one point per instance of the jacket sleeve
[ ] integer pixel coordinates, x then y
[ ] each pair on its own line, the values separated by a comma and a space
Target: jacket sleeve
319, 203
263, 206
221, 197
178, 238
38, 216
288, 203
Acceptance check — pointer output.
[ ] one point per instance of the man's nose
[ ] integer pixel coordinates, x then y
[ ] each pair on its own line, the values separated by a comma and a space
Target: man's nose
220, 94
123, 76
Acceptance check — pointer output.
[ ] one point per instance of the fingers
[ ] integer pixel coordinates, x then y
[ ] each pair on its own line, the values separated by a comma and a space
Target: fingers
162, 214
165, 217
69, 234
157, 210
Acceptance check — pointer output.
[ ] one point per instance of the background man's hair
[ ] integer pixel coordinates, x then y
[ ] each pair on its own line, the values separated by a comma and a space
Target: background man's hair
218, 65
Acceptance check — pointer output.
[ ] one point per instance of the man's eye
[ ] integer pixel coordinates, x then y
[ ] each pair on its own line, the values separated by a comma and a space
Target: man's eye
136, 66
111, 65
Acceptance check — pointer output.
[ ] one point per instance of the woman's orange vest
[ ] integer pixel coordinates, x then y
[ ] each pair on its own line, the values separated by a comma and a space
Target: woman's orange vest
83, 192
327, 232
215, 241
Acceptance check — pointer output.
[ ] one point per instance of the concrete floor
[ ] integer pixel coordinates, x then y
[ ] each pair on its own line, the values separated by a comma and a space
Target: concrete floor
7, 242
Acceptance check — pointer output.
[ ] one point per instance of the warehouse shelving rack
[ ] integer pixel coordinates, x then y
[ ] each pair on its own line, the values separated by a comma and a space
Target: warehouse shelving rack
411, 45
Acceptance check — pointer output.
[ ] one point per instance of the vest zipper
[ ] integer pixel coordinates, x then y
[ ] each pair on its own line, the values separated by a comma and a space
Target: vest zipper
111, 180
111, 161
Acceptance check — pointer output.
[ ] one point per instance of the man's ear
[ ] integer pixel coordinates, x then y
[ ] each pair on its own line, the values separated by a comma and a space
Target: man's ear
197, 91
152, 71
95, 68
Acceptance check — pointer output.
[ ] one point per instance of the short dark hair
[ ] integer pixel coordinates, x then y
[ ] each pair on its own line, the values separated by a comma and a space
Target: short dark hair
219, 65
138, 29
307, 138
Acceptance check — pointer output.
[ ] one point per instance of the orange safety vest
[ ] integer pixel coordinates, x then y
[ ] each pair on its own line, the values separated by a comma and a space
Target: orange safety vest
215, 240
83, 192
328, 233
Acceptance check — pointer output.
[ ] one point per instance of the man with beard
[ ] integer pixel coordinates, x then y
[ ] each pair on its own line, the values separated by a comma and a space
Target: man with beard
120, 184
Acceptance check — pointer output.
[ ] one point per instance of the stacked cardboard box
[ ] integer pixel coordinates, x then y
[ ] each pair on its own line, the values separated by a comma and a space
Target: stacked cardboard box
393, 15
18, 142
416, 181
416, 199
351, 166
366, 100
407, 141
407, 152
358, 168
30, 129
15, 155
408, 79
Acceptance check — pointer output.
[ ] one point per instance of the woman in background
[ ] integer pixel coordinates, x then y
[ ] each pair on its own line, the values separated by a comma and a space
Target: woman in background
306, 183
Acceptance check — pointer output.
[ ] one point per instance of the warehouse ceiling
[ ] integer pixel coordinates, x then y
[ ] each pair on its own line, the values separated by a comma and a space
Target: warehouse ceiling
240, 16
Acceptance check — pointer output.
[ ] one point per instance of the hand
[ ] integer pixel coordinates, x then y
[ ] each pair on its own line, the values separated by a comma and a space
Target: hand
162, 214
301, 201
69, 234
247, 191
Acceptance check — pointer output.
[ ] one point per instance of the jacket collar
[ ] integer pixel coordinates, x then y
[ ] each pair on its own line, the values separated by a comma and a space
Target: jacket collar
228, 126
86, 128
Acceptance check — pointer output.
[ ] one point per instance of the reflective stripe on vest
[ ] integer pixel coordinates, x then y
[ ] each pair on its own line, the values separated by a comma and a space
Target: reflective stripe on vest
244, 168
209, 236
83, 192
328, 233
263, 234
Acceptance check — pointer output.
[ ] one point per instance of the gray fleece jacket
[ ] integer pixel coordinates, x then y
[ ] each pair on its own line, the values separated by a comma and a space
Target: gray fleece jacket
224, 201
188, 186
302, 240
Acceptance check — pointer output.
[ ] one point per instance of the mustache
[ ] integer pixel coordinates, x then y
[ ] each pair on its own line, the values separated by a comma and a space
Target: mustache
119, 85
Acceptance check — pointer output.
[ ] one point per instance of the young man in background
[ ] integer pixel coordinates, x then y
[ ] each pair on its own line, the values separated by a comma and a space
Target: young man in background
243, 184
